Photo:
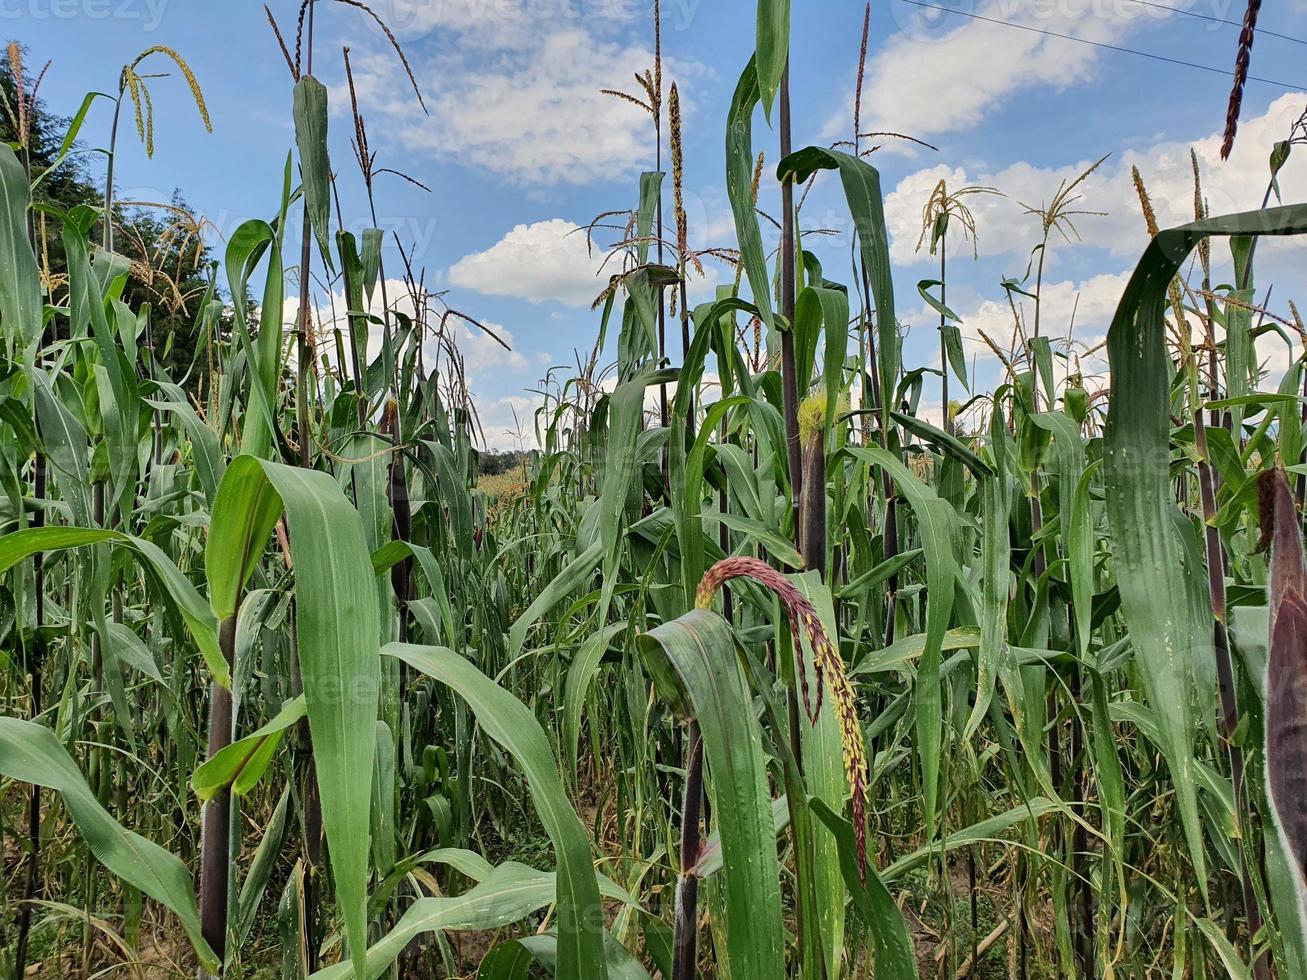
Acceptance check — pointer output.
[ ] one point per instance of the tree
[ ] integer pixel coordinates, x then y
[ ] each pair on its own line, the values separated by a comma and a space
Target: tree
164, 241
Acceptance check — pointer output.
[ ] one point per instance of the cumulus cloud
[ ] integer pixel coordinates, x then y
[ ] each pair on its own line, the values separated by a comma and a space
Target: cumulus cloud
509, 422
1230, 186
943, 71
549, 260
508, 92
482, 354
506, 23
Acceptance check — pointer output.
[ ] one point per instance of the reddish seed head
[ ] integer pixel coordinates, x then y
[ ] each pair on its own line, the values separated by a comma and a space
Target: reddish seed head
828, 667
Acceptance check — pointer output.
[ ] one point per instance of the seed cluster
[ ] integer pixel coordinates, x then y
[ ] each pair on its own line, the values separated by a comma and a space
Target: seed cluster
827, 665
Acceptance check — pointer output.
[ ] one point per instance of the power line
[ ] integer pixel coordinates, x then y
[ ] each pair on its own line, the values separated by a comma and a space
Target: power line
1216, 20
1100, 44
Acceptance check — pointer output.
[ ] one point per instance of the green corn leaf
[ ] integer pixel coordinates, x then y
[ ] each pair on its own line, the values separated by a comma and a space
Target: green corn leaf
773, 43
739, 189
862, 193
373, 238
768, 538
30, 753
825, 781
1136, 466
945, 443
260, 873
64, 438
249, 243
310, 111
70, 135
195, 612
543, 948
245, 510
20, 282
511, 893
240, 765
91, 286
694, 663
985, 830
338, 630
956, 358
205, 452
687, 475
580, 675
577, 571
511, 725
895, 955
938, 524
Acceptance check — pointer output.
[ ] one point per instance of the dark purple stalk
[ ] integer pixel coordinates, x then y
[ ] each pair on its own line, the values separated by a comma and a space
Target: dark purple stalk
215, 839
789, 371
311, 811
812, 527
687, 885
1286, 675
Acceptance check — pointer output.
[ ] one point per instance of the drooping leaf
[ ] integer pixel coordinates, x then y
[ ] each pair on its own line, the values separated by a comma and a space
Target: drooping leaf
30, 753
895, 956
1140, 498
195, 612
240, 765
310, 112
511, 724
739, 189
938, 524
862, 193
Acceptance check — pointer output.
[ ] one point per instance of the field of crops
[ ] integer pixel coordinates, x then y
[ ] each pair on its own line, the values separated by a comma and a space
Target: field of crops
753, 669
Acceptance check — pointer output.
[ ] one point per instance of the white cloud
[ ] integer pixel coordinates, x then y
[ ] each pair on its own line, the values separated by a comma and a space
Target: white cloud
547, 121
1081, 310
518, 95
508, 423
506, 23
549, 260
943, 72
483, 355
1230, 186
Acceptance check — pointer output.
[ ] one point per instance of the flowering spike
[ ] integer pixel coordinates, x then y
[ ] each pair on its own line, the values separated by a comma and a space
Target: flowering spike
827, 665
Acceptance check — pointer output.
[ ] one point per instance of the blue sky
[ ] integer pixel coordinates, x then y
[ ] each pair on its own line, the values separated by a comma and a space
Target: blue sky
520, 147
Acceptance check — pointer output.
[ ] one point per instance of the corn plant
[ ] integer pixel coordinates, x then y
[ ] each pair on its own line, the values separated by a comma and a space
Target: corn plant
779, 679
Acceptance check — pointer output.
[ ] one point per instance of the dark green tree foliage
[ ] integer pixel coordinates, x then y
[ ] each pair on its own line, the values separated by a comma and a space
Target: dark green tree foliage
492, 463
163, 239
